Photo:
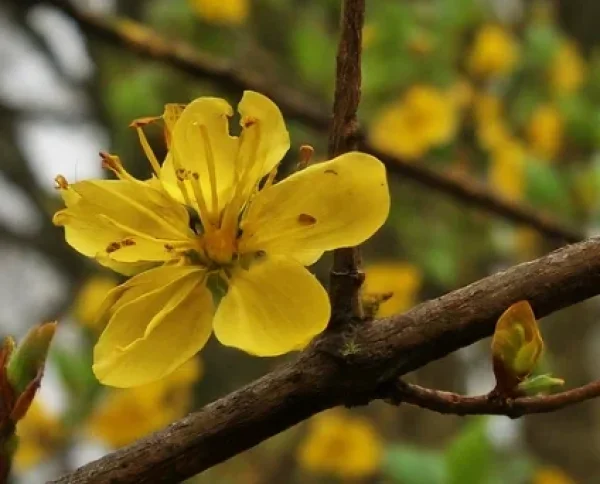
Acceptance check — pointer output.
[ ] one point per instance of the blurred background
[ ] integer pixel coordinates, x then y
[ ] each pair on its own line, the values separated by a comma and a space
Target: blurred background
503, 91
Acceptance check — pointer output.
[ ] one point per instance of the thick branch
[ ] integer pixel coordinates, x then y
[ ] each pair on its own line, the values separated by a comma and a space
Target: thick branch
375, 355
453, 403
150, 45
346, 274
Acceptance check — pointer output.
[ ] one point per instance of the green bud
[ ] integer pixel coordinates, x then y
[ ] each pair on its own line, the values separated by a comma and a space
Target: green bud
29, 358
539, 384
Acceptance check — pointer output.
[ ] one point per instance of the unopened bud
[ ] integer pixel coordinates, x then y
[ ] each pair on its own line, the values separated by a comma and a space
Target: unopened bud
540, 384
516, 346
29, 358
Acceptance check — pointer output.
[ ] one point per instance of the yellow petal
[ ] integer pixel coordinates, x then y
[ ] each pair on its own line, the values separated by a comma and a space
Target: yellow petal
272, 308
122, 220
161, 318
261, 118
201, 144
338, 203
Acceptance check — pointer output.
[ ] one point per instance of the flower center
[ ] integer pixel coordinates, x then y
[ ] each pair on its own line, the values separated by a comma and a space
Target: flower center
220, 246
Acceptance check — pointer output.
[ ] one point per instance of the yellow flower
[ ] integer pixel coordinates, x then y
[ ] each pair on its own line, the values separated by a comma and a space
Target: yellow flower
126, 415
401, 279
567, 70
424, 118
40, 436
545, 131
207, 221
495, 52
551, 475
231, 12
341, 444
507, 172
516, 345
88, 303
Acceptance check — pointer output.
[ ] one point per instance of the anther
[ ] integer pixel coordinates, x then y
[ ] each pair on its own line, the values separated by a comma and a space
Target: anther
61, 182
305, 154
249, 121
138, 123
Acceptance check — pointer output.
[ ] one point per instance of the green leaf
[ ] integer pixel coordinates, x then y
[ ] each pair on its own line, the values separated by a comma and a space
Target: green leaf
410, 465
469, 457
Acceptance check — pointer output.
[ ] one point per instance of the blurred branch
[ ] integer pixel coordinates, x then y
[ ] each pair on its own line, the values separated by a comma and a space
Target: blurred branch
455, 404
346, 274
349, 369
150, 45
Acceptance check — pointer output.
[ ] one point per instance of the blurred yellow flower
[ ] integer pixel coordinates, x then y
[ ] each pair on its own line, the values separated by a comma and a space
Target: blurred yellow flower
487, 107
129, 414
425, 117
231, 12
403, 280
490, 127
40, 436
551, 475
567, 70
507, 171
87, 307
545, 131
495, 52
341, 444
213, 222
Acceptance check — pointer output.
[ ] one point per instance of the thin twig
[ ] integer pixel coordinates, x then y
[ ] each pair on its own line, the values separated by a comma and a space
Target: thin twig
342, 369
150, 45
346, 273
453, 403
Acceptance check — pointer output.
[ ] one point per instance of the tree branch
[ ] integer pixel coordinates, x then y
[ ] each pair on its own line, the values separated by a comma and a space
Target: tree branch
352, 368
346, 274
150, 45
453, 403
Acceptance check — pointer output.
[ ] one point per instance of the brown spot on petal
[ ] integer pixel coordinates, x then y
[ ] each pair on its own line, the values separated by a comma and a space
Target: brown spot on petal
306, 219
331, 172
249, 121
128, 242
112, 247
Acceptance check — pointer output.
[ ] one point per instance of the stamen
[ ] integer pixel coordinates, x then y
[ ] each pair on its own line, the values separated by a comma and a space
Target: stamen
205, 215
305, 154
148, 151
113, 163
183, 175
212, 170
271, 177
61, 182
241, 192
